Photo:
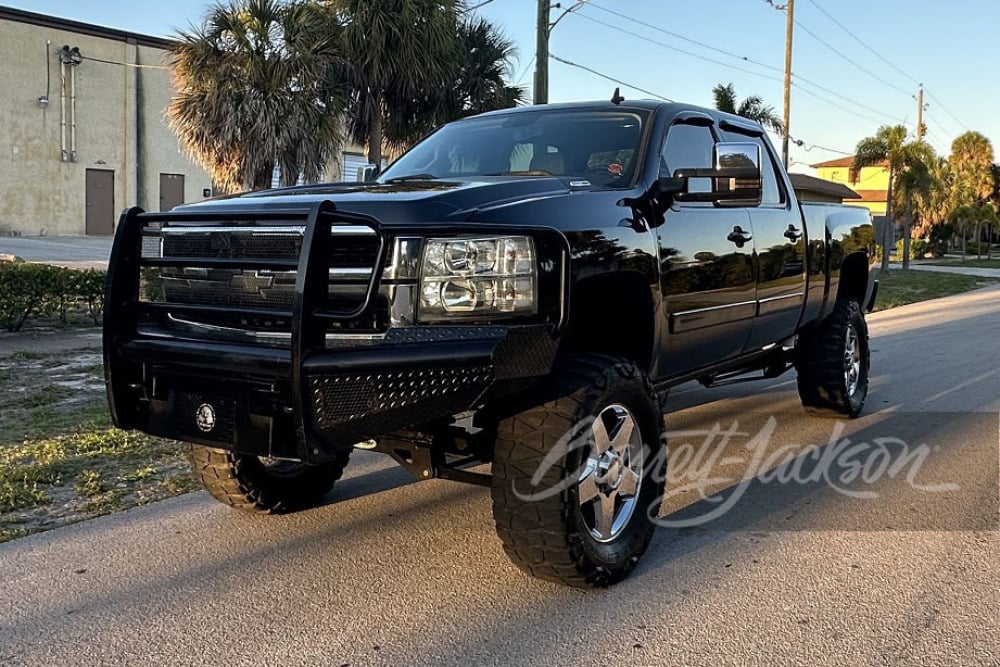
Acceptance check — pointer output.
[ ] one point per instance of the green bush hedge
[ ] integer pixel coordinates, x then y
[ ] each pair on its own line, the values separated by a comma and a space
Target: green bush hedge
41, 290
918, 248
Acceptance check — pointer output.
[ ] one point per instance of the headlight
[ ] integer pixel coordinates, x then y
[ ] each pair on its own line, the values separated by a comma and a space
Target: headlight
477, 277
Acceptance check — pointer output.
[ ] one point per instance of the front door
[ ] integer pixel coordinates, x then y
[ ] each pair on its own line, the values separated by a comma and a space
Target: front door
100, 202
780, 241
171, 191
706, 260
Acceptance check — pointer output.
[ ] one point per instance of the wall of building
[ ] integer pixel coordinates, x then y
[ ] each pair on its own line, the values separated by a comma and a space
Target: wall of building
159, 150
119, 127
872, 184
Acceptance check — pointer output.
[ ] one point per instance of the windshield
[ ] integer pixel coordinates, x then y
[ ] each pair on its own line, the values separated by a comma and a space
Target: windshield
599, 146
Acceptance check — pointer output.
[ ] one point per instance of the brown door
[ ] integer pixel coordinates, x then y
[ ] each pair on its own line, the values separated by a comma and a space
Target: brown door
100, 202
171, 191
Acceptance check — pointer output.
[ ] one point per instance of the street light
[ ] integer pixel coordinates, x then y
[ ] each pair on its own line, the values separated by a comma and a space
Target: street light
543, 30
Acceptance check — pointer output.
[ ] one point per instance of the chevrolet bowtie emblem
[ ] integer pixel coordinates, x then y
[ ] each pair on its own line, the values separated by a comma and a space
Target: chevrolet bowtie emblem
251, 281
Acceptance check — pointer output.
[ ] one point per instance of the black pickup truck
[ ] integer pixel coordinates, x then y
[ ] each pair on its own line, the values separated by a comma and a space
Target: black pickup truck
521, 289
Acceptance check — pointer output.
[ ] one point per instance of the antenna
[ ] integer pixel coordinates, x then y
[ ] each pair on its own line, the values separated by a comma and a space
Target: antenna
617, 98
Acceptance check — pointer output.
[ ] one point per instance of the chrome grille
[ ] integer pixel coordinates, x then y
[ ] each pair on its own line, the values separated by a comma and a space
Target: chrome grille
204, 270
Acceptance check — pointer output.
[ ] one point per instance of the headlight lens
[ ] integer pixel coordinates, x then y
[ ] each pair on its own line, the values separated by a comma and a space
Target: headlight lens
476, 277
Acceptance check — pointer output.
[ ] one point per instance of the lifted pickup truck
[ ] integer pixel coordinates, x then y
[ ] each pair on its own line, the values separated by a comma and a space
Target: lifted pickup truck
521, 288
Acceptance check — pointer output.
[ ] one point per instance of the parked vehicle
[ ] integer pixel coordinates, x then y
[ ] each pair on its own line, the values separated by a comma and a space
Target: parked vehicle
517, 281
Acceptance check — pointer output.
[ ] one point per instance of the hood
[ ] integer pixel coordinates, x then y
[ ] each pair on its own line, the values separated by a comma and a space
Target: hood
407, 202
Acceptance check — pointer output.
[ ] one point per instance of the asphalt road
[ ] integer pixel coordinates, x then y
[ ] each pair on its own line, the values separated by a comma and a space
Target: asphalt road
397, 573
74, 251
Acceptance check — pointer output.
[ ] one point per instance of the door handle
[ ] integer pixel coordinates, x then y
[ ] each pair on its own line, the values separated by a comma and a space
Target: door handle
739, 236
792, 233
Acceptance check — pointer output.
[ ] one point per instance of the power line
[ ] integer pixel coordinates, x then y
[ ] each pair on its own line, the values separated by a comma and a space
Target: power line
475, 7
853, 62
861, 41
806, 146
609, 78
840, 106
114, 62
809, 82
673, 48
688, 39
728, 65
945, 109
524, 72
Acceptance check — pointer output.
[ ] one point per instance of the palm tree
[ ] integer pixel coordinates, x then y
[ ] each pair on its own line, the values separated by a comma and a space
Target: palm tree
475, 82
752, 107
254, 89
396, 49
975, 214
888, 146
916, 178
971, 163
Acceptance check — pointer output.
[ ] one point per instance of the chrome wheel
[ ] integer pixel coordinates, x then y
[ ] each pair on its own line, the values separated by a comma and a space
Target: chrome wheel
852, 360
612, 474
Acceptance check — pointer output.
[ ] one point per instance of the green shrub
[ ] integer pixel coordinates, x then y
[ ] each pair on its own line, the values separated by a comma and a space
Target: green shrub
918, 248
974, 247
37, 290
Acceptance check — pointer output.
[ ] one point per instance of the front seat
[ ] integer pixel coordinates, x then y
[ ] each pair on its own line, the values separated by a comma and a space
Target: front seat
551, 162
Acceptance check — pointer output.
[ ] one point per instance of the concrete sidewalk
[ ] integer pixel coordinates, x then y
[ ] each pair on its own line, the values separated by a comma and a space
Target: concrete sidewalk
958, 268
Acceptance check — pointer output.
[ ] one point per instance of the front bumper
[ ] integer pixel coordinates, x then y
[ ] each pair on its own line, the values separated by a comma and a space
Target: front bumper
326, 388
243, 398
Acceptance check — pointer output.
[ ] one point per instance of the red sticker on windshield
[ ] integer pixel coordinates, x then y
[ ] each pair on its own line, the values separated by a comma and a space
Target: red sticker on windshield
615, 169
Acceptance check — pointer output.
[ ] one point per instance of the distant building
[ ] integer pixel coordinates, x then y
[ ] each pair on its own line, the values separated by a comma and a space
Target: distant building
82, 128
871, 184
812, 189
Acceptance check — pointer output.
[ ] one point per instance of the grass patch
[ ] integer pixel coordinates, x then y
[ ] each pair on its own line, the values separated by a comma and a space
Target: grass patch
60, 459
26, 355
898, 288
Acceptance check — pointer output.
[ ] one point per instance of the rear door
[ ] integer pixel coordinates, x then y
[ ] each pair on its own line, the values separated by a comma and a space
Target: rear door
780, 242
706, 260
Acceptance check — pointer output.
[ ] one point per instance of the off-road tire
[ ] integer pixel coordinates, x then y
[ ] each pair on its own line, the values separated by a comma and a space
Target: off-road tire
823, 363
549, 537
244, 481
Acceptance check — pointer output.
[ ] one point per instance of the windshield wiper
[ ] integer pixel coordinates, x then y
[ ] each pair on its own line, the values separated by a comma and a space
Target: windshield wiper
411, 177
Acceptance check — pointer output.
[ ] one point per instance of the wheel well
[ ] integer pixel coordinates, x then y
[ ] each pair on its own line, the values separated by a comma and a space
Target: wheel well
611, 314
854, 278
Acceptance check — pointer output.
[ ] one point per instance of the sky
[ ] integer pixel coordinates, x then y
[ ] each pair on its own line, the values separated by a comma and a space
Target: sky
851, 78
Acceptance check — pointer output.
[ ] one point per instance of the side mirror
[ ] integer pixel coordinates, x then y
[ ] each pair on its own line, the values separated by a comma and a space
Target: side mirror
734, 181
367, 173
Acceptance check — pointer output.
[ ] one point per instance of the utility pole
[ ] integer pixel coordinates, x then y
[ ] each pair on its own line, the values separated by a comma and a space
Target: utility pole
543, 30
541, 88
789, 8
921, 128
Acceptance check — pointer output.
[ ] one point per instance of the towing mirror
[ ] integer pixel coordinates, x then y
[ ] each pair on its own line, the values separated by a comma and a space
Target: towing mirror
735, 180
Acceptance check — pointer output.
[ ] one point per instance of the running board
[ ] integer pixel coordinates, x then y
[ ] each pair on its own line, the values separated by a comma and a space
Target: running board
737, 377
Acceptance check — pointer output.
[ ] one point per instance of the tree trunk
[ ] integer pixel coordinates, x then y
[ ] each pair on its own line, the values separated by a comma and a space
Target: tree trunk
979, 243
888, 231
965, 237
906, 232
375, 130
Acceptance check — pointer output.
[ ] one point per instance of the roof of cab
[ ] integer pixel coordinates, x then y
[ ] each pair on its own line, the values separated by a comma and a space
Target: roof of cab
670, 108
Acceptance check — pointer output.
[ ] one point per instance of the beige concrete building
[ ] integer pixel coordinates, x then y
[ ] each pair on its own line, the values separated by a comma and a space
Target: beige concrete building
82, 129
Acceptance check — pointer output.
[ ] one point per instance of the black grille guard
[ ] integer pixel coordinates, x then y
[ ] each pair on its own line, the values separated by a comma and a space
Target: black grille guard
309, 315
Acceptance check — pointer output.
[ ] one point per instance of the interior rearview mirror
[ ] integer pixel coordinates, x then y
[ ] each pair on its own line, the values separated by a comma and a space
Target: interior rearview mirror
735, 179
